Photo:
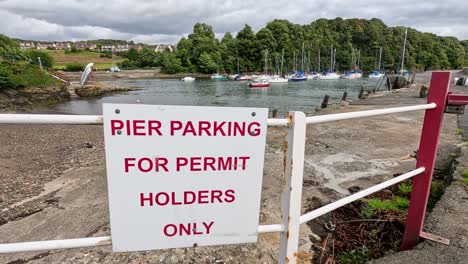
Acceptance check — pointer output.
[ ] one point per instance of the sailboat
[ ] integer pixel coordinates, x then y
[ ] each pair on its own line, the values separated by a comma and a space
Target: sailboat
277, 78
354, 74
330, 74
299, 76
263, 80
239, 76
377, 74
216, 76
404, 72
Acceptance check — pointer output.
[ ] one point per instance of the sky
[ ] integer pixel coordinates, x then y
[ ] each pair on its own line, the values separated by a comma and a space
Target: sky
156, 21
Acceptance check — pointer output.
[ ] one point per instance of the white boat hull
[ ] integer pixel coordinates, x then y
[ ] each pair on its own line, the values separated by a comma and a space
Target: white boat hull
376, 76
278, 80
329, 77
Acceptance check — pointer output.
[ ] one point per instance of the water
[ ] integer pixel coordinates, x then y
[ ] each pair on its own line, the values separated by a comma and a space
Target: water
299, 96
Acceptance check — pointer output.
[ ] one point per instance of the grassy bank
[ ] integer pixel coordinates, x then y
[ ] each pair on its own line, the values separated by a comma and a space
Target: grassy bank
23, 74
83, 57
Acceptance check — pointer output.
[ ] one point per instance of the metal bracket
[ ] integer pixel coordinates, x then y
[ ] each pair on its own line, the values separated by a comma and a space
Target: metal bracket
454, 109
456, 103
435, 238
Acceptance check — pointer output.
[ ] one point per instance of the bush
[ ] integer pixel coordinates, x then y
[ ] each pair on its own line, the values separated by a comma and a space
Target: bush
127, 65
24, 74
74, 66
106, 54
46, 59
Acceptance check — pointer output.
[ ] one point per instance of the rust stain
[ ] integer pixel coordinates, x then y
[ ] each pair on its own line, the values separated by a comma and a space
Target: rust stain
303, 257
292, 163
283, 178
287, 260
290, 119
287, 235
289, 219
100, 120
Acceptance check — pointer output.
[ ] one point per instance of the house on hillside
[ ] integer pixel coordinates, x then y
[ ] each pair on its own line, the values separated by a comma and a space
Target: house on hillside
137, 47
27, 45
162, 47
45, 45
62, 45
120, 48
110, 48
84, 45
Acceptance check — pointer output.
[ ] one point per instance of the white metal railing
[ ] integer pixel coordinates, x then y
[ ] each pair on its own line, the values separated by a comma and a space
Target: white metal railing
97, 119
291, 197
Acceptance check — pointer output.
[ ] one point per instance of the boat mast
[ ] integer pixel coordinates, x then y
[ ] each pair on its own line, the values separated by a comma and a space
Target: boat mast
403, 55
319, 60
380, 57
294, 61
331, 58
238, 69
359, 59
282, 59
353, 61
266, 62
302, 62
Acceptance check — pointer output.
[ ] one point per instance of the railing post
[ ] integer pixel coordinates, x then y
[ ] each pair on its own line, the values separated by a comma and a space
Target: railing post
438, 91
294, 148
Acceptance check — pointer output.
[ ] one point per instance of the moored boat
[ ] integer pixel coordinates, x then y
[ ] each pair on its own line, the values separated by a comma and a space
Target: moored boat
277, 79
329, 75
376, 74
188, 79
259, 83
217, 77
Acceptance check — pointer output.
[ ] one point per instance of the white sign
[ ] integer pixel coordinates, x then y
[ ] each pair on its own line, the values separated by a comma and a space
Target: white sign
183, 176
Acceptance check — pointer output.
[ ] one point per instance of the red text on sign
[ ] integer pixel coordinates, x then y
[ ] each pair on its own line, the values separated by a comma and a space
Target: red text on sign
187, 197
188, 229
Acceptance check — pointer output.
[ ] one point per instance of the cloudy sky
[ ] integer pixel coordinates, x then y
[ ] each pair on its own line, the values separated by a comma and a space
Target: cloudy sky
158, 21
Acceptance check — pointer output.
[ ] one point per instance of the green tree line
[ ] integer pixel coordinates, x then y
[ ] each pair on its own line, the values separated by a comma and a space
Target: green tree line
202, 52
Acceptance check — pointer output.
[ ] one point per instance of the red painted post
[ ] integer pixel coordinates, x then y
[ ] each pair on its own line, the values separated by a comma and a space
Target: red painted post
438, 91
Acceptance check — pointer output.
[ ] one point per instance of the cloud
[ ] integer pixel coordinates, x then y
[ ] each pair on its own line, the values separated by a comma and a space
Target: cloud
165, 21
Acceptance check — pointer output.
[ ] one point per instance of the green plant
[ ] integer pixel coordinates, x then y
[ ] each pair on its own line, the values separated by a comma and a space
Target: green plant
437, 190
23, 74
354, 256
405, 188
458, 131
465, 180
46, 59
397, 204
464, 174
74, 66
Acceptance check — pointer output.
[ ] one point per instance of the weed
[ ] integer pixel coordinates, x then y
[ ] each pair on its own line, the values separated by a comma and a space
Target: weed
437, 190
458, 131
405, 188
397, 204
464, 174
354, 256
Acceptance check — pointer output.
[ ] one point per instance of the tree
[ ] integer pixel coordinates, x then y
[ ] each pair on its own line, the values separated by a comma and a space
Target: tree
148, 58
183, 52
170, 63
247, 49
228, 52
203, 41
207, 64
46, 59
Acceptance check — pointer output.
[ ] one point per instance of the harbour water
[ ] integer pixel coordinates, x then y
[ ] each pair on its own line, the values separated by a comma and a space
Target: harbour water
299, 96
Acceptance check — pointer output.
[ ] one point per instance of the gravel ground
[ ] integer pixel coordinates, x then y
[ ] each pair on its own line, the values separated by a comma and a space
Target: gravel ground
53, 183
